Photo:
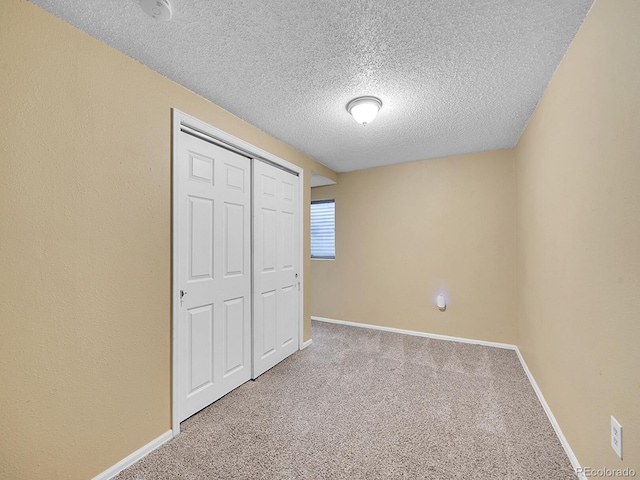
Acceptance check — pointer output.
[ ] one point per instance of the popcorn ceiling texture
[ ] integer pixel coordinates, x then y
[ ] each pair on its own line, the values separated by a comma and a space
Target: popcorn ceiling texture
454, 76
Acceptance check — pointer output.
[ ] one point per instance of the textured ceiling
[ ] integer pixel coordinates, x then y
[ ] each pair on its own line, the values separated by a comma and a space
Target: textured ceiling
454, 76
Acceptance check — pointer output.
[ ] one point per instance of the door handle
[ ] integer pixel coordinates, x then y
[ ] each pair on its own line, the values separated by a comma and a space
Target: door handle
182, 294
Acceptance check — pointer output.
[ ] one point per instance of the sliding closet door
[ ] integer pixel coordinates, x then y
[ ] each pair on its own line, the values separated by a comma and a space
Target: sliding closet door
276, 250
214, 245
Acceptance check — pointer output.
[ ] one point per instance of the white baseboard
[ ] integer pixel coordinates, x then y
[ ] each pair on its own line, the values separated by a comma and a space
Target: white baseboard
563, 440
532, 381
417, 334
306, 344
134, 457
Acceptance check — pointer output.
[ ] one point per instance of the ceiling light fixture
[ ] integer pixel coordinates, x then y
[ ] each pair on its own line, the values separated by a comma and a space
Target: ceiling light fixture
364, 109
157, 9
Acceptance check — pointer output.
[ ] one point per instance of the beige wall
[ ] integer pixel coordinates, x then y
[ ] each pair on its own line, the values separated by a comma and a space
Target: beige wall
406, 232
85, 251
578, 233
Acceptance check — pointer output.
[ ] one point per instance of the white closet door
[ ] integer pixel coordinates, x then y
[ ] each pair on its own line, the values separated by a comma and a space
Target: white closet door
215, 273
276, 247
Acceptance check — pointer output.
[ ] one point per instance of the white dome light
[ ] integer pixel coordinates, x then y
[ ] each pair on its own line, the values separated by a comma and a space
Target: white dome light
364, 109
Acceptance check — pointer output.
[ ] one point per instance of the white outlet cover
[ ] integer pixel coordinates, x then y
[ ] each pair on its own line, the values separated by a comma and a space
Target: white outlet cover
616, 436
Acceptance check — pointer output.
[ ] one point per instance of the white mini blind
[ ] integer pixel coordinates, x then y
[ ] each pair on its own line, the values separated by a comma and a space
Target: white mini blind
323, 229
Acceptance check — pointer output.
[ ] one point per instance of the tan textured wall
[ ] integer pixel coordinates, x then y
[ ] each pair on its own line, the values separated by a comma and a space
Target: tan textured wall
578, 188
405, 232
85, 215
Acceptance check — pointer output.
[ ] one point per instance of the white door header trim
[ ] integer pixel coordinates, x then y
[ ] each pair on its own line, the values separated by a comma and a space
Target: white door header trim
188, 121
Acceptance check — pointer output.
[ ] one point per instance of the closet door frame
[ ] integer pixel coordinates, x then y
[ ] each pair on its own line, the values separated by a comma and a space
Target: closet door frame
182, 120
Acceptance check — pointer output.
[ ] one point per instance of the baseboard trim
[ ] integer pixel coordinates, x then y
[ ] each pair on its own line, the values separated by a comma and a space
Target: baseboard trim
306, 344
563, 440
565, 444
416, 333
134, 457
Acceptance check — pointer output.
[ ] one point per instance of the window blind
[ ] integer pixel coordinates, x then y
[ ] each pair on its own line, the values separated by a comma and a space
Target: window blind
323, 229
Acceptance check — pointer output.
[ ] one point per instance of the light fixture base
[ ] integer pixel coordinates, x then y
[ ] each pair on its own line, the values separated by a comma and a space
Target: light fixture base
157, 9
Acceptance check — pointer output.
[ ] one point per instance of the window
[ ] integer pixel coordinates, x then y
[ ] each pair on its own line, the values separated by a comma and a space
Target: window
323, 229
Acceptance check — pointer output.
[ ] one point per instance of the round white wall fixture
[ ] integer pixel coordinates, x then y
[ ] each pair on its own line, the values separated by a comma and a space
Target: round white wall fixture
441, 302
157, 9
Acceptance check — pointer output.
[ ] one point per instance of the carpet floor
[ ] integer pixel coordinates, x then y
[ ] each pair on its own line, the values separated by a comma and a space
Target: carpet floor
366, 404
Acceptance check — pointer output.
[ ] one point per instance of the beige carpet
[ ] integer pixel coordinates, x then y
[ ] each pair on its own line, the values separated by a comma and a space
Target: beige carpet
364, 404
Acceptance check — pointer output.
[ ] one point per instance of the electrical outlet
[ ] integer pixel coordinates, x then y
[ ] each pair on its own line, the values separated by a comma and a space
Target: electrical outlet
616, 436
